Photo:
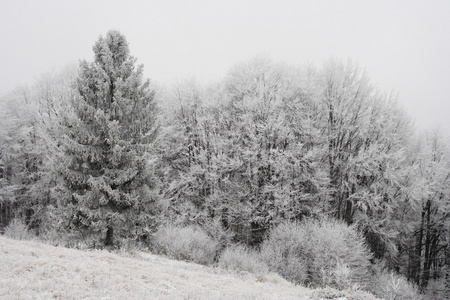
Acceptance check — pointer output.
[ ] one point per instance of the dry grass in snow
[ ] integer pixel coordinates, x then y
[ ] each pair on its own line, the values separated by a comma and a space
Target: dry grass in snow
31, 270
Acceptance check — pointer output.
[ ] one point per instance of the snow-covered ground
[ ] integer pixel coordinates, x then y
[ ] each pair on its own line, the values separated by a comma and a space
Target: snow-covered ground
32, 270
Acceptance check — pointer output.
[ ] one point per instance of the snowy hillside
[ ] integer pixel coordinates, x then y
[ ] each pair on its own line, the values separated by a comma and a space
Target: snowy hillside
32, 270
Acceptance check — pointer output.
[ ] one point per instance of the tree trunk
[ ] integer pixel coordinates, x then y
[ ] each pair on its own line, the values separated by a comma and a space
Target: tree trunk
415, 270
109, 240
428, 260
348, 212
348, 217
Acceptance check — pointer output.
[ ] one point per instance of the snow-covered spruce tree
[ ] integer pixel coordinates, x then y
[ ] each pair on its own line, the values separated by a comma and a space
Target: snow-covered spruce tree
109, 183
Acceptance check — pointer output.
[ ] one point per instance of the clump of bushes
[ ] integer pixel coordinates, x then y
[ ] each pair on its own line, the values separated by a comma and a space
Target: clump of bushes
318, 253
18, 230
242, 258
439, 288
283, 252
190, 243
390, 286
330, 293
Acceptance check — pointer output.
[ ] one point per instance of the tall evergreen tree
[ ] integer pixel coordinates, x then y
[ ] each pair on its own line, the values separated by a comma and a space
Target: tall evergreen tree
106, 168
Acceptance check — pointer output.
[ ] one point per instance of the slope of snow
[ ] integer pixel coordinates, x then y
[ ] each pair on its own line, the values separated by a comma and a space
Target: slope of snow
31, 270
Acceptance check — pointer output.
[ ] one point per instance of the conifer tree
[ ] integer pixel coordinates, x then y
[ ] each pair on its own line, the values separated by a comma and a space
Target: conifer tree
106, 169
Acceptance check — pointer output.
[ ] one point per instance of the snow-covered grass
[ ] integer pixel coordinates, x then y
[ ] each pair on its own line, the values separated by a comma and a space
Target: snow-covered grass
241, 258
32, 270
186, 243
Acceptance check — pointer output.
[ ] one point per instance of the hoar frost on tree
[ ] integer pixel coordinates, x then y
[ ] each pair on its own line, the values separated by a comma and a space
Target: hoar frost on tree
107, 173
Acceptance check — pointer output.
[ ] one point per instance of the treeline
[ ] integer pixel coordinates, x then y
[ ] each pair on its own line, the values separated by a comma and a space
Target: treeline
95, 154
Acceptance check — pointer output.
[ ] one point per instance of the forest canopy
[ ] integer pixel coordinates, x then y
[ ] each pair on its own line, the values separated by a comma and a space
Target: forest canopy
98, 154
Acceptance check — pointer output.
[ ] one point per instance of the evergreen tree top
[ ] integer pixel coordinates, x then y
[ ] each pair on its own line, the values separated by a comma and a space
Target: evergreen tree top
111, 51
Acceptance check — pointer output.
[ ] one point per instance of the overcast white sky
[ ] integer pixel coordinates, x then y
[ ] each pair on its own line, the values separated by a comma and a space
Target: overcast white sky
403, 45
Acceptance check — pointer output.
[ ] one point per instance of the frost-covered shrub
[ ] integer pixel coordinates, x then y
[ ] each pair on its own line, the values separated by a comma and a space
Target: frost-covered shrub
18, 230
51, 232
241, 258
338, 252
318, 253
284, 254
188, 243
392, 286
215, 229
330, 293
438, 289
341, 275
